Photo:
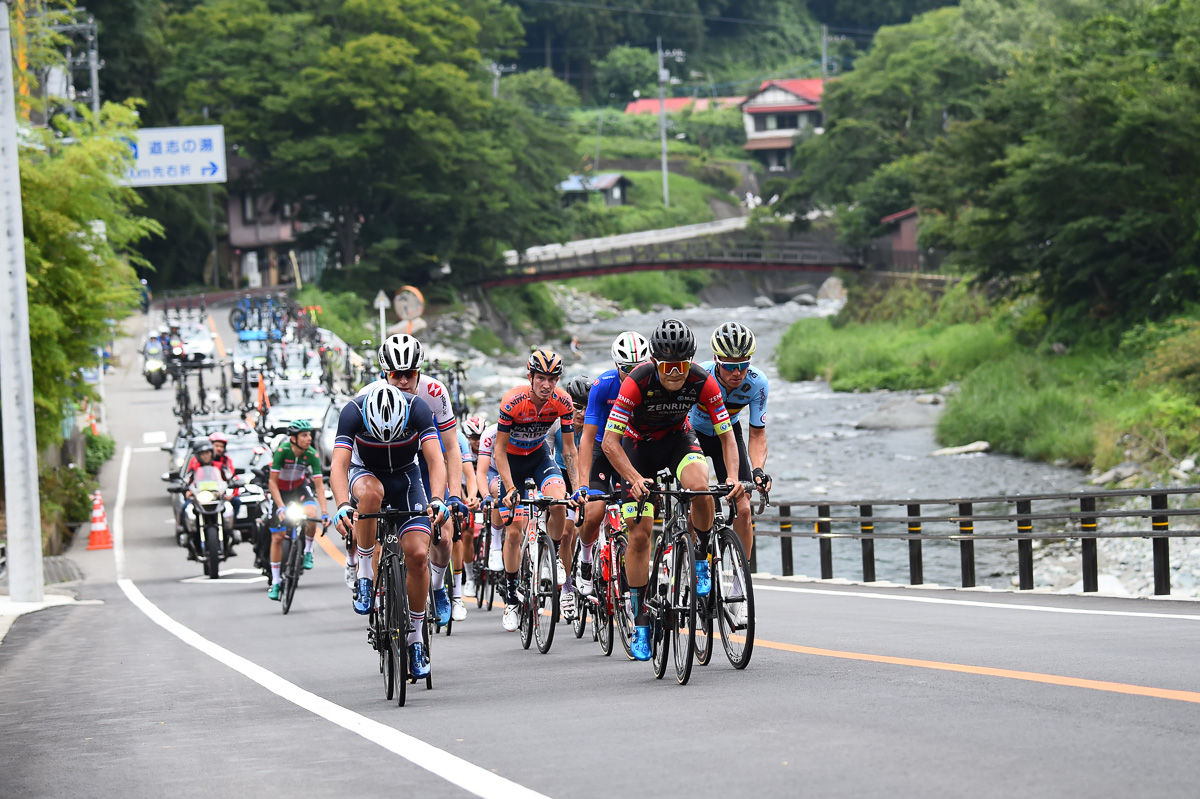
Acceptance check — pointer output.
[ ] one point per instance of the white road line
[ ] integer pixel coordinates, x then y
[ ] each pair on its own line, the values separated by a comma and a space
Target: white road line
969, 603
455, 770
118, 525
147, 449
154, 437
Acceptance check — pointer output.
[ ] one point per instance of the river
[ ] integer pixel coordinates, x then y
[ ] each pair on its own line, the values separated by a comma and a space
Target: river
817, 452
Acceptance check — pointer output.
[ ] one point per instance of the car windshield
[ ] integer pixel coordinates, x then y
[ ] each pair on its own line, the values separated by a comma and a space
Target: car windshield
153, 347
243, 455
297, 397
252, 348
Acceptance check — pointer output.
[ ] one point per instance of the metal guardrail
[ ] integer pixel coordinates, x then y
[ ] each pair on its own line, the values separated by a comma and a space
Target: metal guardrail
838, 519
550, 252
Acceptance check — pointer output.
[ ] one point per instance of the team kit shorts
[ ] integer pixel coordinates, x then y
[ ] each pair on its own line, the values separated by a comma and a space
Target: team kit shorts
538, 465
401, 489
711, 446
648, 458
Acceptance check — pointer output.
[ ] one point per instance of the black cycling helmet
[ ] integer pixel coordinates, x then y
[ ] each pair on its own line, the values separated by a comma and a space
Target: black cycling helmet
578, 386
672, 340
202, 446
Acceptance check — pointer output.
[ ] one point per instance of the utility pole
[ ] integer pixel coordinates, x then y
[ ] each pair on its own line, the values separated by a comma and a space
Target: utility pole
94, 64
497, 70
824, 51
663, 77
599, 139
26, 580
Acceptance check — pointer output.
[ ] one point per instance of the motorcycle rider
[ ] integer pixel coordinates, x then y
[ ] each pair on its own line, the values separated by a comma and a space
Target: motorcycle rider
206, 471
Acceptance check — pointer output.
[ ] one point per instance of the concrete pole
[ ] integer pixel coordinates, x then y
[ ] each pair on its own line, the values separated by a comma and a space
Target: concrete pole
824, 51
94, 66
25, 579
662, 121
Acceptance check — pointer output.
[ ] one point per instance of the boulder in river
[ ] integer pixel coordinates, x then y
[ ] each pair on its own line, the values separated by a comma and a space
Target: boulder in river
975, 446
832, 289
1116, 474
901, 413
804, 299
763, 302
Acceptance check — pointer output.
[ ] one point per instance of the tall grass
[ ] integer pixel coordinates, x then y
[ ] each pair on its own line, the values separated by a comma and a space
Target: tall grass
643, 290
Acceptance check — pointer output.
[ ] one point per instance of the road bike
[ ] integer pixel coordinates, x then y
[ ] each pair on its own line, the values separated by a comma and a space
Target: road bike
609, 601
671, 600
389, 624
486, 579
730, 603
226, 405
537, 586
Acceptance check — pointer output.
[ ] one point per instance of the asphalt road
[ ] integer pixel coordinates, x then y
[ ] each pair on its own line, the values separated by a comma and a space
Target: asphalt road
852, 691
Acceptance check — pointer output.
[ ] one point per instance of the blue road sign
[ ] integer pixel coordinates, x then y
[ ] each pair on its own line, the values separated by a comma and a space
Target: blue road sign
177, 156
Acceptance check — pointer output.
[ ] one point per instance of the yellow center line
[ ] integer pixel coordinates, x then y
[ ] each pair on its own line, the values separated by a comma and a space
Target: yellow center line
217, 336
982, 671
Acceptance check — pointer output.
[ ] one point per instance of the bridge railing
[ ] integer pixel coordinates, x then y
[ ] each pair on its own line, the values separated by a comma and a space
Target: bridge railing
1071, 515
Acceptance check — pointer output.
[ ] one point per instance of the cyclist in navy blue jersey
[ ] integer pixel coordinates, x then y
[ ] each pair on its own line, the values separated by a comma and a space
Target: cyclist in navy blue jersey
374, 461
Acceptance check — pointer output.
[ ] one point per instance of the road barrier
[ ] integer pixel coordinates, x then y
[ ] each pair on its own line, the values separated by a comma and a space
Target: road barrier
838, 519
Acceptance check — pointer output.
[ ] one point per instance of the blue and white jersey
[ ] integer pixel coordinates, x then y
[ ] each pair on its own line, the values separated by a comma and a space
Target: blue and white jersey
464, 447
603, 395
558, 444
380, 457
752, 392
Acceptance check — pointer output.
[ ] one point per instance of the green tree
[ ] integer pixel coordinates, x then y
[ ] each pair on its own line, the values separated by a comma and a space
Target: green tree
538, 88
1079, 178
623, 71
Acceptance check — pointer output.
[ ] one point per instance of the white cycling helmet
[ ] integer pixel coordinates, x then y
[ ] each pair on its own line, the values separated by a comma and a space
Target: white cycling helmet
385, 412
629, 349
400, 353
474, 426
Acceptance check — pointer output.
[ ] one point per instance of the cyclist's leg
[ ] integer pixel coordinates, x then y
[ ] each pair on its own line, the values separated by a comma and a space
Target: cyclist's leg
439, 554
691, 469
367, 490
637, 552
741, 525
599, 481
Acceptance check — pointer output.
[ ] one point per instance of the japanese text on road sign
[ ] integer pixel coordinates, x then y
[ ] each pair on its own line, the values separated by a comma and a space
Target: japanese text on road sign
177, 156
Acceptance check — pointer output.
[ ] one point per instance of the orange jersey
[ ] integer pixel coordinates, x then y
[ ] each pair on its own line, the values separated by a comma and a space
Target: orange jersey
526, 424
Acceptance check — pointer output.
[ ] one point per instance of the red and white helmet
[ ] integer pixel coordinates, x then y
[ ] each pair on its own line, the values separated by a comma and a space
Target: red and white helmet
474, 426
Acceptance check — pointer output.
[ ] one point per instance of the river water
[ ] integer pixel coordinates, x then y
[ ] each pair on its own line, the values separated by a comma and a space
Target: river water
816, 452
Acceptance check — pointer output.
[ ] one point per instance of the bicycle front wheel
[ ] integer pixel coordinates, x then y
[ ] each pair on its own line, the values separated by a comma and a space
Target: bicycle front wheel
295, 565
545, 607
528, 599
683, 609
735, 602
657, 606
619, 591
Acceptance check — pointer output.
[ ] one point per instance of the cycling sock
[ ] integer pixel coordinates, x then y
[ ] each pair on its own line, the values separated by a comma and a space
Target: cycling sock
635, 606
418, 620
585, 553
702, 539
437, 574
497, 538
351, 553
457, 583
510, 587
365, 567
308, 544
567, 585
275, 572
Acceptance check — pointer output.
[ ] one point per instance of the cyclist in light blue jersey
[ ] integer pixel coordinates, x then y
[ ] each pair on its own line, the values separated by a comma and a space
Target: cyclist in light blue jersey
743, 388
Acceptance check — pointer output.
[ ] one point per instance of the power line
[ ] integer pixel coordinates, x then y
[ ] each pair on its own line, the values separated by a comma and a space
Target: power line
651, 12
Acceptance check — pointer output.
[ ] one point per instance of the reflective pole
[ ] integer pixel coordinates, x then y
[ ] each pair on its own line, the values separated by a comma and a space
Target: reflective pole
25, 579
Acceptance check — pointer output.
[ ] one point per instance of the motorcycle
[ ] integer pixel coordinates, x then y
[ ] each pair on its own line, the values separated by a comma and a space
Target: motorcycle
204, 518
153, 367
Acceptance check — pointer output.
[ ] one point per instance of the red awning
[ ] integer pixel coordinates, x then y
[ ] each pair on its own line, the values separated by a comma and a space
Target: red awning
770, 143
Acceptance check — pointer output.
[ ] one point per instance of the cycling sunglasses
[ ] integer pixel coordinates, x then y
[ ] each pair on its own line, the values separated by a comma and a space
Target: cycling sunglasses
579, 407
406, 374
667, 368
739, 366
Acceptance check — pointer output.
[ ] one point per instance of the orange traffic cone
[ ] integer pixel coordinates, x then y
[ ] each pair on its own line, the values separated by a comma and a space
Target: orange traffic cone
100, 537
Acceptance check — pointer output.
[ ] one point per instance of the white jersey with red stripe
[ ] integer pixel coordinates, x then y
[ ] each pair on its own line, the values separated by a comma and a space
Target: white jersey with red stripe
435, 395
487, 442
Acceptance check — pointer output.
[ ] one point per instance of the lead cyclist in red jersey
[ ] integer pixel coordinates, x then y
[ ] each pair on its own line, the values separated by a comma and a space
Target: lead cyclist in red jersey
647, 431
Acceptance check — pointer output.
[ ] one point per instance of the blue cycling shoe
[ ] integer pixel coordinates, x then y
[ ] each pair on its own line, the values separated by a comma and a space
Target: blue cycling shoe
441, 603
703, 579
418, 661
640, 645
364, 593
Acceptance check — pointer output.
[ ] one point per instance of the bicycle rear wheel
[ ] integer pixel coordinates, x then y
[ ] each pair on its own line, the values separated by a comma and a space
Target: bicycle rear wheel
735, 608
579, 623
683, 609
602, 620
295, 565
545, 608
398, 624
381, 625
705, 606
620, 594
657, 606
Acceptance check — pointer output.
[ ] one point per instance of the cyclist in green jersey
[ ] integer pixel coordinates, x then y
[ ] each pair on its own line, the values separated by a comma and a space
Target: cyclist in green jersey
295, 477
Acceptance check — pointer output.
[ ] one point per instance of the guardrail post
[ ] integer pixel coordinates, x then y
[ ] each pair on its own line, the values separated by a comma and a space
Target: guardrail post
785, 541
966, 549
868, 544
825, 544
1024, 547
1090, 562
916, 566
1162, 547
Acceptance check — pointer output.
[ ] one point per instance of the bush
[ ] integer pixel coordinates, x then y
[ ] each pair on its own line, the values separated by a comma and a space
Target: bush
345, 312
66, 490
100, 449
643, 290
484, 340
530, 307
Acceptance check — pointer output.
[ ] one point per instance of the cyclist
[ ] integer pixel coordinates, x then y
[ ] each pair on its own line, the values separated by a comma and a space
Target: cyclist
742, 386
401, 357
577, 388
488, 480
628, 350
647, 431
463, 550
472, 429
526, 414
374, 464
295, 477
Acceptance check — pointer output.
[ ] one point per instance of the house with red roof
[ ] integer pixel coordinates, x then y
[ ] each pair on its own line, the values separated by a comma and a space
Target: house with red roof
776, 113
